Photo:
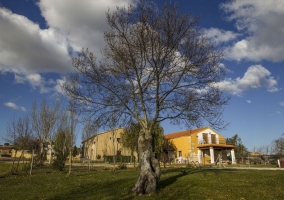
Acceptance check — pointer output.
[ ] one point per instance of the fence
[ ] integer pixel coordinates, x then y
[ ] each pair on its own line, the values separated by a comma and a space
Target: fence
259, 159
120, 159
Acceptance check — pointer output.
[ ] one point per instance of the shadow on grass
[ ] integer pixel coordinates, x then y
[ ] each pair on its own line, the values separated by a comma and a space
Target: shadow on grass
187, 171
172, 179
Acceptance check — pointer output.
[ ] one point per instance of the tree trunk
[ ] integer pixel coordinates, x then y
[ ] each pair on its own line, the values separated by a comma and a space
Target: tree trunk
150, 169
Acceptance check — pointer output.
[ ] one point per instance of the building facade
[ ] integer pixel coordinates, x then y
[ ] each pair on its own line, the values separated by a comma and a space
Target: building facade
202, 145
104, 144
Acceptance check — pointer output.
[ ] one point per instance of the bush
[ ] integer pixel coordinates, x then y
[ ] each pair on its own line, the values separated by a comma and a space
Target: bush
59, 162
121, 166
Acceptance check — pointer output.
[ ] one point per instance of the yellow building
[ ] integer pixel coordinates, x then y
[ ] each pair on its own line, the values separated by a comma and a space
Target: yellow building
105, 144
202, 145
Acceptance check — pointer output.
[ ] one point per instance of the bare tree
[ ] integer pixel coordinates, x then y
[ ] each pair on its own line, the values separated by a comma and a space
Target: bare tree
62, 142
277, 146
72, 126
19, 133
44, 121
89, 131
156, 66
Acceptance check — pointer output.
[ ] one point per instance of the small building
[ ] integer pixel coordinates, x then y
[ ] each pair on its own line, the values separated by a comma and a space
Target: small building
107, 143
202, 145
6, 150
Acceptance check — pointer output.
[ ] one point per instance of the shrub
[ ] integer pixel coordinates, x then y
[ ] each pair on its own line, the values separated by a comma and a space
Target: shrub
121, 166
59, 162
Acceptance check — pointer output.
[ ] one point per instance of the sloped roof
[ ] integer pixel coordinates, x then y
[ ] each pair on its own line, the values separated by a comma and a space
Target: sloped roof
185, 133
6, 147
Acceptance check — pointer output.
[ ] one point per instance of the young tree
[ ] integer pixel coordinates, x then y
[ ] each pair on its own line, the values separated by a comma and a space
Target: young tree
240, 150
19, 133
156, 66
129, 138
61, 147
72, 127
44, 119
89, 130
62, 140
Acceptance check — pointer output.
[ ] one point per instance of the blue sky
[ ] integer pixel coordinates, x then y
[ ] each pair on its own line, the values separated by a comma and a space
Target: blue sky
39, 37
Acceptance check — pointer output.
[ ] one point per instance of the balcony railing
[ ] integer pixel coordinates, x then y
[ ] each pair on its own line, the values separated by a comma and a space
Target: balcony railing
214, 141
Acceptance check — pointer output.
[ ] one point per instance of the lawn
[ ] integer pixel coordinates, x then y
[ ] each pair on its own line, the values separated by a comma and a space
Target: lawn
176, 183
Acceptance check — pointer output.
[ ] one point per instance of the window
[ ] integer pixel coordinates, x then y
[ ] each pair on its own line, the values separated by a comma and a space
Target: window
179, 153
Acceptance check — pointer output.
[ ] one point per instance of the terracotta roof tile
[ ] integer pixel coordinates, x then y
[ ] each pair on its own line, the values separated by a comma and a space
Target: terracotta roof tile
184, 133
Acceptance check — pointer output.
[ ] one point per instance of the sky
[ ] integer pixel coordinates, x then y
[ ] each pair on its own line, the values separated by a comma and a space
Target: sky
38, 39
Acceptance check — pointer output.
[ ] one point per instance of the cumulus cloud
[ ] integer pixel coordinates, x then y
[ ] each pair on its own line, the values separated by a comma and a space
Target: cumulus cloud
82, 22
255, 77
14, 106
59, 84
37, 81
262, 21
218, 35
25, 48
71, 25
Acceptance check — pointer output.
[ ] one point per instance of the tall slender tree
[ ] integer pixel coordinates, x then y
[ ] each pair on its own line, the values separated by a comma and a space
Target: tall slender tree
44, 119
156, 66
89, 131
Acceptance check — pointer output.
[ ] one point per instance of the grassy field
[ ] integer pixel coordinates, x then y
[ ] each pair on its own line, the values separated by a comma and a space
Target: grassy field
176, 183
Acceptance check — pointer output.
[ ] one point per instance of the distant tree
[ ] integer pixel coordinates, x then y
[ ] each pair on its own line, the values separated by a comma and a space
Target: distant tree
129, 138
156, 66
75, 151
168, 146
277, 146
240, 150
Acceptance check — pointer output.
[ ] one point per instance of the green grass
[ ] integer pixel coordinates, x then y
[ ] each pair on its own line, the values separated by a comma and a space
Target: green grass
176, 183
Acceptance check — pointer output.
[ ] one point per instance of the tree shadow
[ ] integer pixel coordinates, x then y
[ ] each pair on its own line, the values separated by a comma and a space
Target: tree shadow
172, 179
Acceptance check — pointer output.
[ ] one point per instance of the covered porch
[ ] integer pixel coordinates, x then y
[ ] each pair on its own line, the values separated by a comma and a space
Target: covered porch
215, 152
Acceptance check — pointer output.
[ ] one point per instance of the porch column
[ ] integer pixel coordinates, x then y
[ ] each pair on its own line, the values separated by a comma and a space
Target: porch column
220, 158
199, 156
233, 156
212, 155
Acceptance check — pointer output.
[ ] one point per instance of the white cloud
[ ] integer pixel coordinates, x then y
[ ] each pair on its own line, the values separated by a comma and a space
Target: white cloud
248, 101
14, 106
82, 22
59, 84
281, 103
218, 35
25, 48
38, 82
255, 77
262, 21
